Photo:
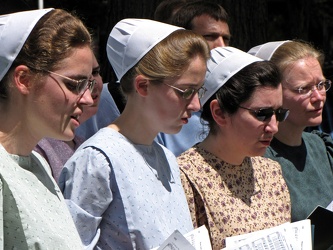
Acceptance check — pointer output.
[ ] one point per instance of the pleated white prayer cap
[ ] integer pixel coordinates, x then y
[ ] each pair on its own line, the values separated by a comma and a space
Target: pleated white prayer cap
266, 50
14, 31
223, 64
130, 39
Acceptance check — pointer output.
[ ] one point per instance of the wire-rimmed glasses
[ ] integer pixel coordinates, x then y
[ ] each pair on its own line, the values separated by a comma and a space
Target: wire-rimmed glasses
322, 87
81, 85
189, 92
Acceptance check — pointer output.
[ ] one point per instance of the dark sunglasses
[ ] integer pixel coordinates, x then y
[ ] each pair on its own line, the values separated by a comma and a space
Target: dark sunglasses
265, 114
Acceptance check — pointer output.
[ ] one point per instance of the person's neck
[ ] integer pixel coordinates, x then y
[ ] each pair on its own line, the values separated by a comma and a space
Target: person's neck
221, 149
289, 134
16, 133
134, 127
17, 140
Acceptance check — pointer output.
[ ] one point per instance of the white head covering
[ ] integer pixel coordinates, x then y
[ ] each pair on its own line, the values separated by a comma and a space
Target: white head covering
14, 31
223, 64
266, 50
130, 39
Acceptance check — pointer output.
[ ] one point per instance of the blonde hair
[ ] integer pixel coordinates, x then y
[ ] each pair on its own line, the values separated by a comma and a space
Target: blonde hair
292, 51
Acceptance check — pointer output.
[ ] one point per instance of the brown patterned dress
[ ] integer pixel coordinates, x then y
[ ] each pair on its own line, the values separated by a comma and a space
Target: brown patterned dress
232, 200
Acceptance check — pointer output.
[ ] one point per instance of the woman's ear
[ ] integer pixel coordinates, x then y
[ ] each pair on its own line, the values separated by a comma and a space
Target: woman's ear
22, 79
141, 85
218, 114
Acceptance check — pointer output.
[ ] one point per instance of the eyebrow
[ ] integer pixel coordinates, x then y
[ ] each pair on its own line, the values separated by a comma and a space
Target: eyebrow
190, 85
311, 83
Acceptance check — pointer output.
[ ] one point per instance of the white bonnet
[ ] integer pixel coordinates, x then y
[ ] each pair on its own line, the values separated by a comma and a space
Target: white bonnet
14, 31
130, 39
223, 64
266, 50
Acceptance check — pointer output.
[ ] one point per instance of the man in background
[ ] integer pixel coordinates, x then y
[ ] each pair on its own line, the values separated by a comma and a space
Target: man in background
211, 21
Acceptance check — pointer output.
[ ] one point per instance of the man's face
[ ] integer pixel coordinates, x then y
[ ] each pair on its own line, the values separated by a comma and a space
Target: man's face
215, 32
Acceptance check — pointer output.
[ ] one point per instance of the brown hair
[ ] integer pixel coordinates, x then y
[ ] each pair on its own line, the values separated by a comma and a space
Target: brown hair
52, 39
186, 14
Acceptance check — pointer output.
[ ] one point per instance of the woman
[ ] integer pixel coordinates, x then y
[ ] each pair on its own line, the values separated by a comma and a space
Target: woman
305, 159
124, 189
57, 152
46, 62
229, 187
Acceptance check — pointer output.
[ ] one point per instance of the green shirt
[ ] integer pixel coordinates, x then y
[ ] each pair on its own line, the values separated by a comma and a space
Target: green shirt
33, 212
307, 170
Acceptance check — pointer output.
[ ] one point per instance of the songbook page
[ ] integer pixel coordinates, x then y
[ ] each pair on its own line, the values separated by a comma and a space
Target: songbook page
288, 236
198, 239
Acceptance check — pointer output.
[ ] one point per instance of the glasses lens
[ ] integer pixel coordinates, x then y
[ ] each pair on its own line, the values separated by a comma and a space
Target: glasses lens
82, 85
86, 84
92, 84
321, 86
281, 114
188, 93
201, 92
327, 84
264, 114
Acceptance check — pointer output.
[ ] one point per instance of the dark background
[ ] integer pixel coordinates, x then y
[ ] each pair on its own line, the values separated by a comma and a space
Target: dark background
252, 22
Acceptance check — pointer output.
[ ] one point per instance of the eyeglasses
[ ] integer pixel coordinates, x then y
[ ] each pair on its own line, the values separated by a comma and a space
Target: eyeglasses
322, 87
265, 114
81, 85
189, 92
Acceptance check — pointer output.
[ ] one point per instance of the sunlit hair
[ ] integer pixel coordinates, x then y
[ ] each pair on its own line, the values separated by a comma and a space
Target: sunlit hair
52, 39
240, 88
168, 59
290, 52
192, 9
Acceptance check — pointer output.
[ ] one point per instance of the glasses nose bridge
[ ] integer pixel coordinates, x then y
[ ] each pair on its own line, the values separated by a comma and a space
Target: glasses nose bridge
278, 116
194, 102
269, 117
85, 97
272, 124
88, 84
91, 84
318, 88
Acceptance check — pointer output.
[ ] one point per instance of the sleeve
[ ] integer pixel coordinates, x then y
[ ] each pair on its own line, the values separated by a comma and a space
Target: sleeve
86, 185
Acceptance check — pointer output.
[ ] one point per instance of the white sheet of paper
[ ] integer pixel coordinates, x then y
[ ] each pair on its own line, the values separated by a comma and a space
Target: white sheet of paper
330, 206
288, 236
198, 239
176, 241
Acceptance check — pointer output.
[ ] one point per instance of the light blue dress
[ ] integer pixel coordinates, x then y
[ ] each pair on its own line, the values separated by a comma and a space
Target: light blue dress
33, 213
126, 196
